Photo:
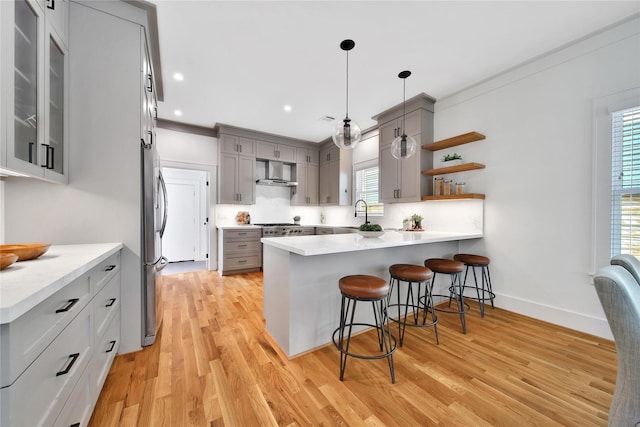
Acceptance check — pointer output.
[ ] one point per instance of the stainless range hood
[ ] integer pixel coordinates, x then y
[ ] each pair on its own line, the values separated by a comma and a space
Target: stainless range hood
275, 175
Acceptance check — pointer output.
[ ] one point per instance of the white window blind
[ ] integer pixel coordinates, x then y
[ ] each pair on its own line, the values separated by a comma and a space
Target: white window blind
367, 183
625, 182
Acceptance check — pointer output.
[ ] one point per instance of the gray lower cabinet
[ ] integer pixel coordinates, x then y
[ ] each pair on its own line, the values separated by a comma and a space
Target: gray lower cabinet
239, 250
56, 356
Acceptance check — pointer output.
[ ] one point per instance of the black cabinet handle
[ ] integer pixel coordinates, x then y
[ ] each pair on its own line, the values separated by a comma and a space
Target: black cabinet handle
113, 344
66, 370
51, 4
110, 267
150, 80
50, 157
70, 304
111, 302
31, 144
75, 425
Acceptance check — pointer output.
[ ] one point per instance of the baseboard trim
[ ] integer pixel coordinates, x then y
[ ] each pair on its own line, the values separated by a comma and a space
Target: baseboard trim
556, 315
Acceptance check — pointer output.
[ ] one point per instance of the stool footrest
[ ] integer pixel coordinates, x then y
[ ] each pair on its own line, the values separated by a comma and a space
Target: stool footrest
392, 350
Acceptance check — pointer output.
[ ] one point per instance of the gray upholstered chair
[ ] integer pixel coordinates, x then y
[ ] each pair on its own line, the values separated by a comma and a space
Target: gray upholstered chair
630, 263
619, 294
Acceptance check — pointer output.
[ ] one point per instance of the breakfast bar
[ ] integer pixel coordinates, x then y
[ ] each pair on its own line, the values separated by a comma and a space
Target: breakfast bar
301, 296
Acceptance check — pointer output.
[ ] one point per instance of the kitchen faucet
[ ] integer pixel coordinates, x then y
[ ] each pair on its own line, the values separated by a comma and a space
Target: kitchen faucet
366, 208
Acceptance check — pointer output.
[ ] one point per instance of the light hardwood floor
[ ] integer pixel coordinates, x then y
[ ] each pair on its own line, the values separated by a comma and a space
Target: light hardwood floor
213, 365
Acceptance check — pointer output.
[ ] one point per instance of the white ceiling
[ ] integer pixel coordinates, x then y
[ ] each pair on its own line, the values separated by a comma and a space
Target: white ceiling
242, 61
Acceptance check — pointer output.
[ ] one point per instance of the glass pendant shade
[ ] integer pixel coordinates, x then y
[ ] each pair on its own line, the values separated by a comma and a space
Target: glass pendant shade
403, 146
346, 134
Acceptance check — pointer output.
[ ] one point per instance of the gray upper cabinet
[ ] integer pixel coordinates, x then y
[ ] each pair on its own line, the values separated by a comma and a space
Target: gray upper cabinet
329, 153
236, 171
237, 145
402, 180
306, 192
270, 151
34, 89
307, 156
336, 170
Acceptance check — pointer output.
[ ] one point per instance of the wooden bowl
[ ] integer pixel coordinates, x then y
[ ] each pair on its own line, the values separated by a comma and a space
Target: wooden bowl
7, 259
26, 251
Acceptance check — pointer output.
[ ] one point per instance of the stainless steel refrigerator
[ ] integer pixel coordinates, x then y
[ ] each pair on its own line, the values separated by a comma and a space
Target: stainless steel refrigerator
154, 221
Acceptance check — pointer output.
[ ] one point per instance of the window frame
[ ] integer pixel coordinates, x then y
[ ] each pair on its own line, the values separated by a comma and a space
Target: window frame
378, 210
602, 109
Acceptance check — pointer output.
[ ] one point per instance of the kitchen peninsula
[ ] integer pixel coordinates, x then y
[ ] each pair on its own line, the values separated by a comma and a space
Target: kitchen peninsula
301, 296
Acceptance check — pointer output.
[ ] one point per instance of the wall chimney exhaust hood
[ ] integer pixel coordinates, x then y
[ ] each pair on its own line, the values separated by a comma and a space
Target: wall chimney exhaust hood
275, 175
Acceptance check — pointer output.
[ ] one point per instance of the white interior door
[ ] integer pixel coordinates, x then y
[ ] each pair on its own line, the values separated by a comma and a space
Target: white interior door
180, 239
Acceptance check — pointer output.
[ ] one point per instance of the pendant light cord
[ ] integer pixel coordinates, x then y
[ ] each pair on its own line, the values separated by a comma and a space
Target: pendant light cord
347, 107
404, 103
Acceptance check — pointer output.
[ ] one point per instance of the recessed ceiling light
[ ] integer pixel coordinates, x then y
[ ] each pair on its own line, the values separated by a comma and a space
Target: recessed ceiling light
287, 108
179, 77
177, 113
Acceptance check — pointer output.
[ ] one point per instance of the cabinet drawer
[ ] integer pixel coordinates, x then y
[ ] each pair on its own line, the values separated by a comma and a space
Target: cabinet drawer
48, 382
235, 235
106, 349
101, 274
24, 339
79, 407
241, 246
248, 261
106, 304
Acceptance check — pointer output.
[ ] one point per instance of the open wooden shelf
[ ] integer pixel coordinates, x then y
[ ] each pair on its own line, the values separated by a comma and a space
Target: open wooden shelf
453, 169
466, 196
454, 141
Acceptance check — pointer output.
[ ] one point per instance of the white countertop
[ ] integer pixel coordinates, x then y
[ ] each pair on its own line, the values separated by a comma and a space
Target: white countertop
336, 243
238, 227
25, 284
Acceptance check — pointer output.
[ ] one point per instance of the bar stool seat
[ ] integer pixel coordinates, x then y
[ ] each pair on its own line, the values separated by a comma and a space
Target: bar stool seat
472, 261
356, 288
453, 268
413, 304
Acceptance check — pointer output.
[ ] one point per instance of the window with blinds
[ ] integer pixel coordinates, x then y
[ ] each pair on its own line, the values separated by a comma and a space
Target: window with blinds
367, 183
625, 182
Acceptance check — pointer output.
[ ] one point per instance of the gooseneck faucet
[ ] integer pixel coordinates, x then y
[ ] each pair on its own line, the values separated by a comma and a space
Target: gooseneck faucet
366, 208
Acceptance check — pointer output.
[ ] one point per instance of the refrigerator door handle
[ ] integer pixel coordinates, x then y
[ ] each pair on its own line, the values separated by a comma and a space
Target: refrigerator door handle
165, 203
164, 261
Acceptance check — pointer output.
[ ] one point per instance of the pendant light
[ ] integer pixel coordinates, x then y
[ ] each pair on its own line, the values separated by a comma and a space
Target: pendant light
403, 146
346, 135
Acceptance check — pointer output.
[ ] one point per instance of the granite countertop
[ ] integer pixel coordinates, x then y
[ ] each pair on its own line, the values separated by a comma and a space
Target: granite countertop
336, 243
26, 284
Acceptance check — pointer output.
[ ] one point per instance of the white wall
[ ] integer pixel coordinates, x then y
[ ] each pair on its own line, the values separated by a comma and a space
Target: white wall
190, 151
538, 123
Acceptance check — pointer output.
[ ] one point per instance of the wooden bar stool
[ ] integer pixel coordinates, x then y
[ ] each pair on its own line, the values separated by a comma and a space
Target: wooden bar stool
473, 261
413, 275
453, 268
364, 288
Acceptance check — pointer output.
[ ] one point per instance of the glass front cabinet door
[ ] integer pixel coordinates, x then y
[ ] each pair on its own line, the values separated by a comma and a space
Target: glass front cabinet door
35, 83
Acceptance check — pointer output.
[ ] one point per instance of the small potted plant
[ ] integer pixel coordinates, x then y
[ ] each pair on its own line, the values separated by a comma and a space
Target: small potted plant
296, 220
451, 160
417, 221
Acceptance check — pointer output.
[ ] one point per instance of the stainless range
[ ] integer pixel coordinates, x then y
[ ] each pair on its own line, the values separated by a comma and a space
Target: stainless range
280, 230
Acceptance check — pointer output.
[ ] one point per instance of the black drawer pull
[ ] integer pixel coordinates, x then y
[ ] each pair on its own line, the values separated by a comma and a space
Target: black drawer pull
111, 302
242, 261
242, 246
110, 267
70, 304
75, 425
66, 370
113, 344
